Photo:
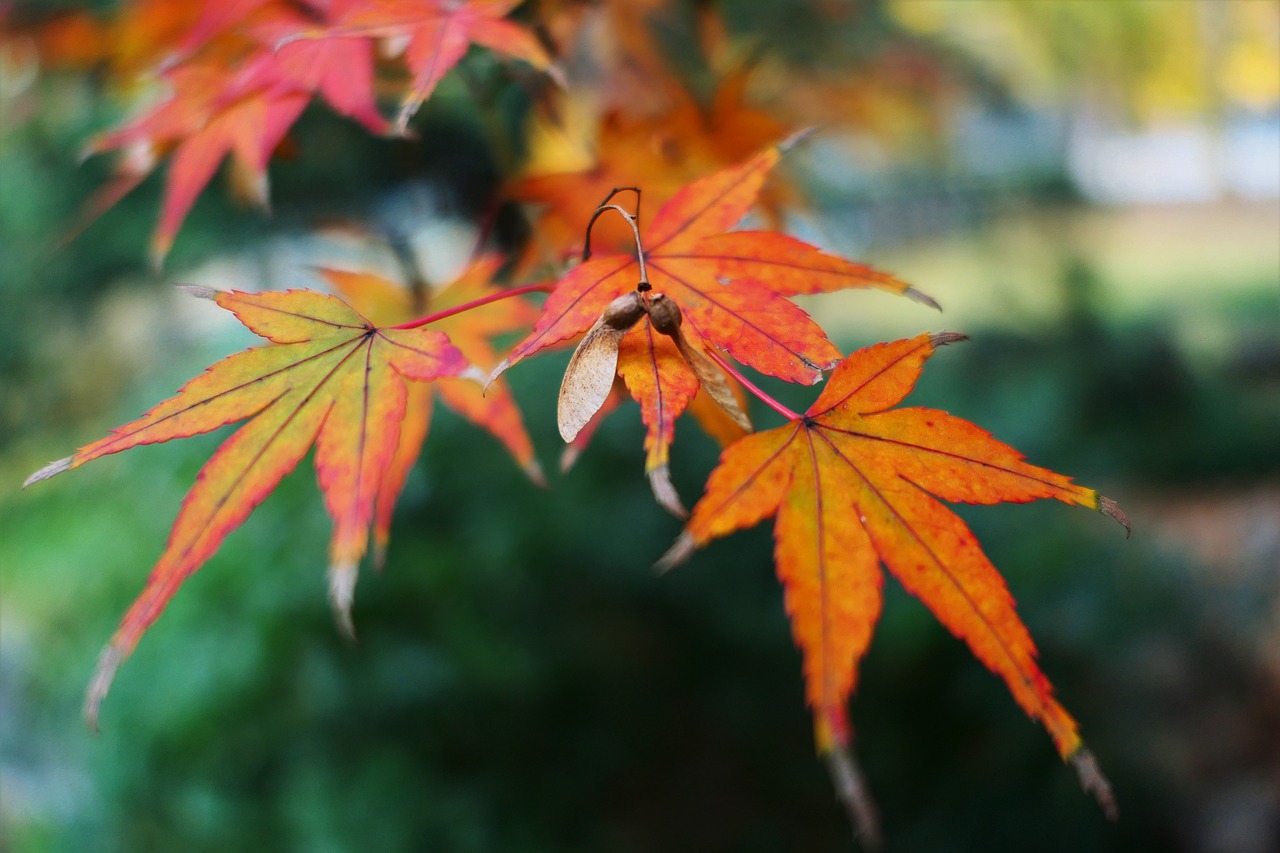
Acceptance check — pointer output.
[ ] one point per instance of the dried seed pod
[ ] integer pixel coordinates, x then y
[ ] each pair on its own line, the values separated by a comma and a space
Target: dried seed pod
665, 315
623, 312
590, 373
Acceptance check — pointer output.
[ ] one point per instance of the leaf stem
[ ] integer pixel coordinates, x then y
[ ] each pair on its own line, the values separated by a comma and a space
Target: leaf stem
635, 230
601, 208
751, 386
475, 303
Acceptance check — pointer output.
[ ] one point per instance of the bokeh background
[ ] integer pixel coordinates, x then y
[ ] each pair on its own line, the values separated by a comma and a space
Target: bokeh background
1091, 190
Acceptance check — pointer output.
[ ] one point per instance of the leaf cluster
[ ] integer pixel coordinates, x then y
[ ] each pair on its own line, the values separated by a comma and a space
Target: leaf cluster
668, 313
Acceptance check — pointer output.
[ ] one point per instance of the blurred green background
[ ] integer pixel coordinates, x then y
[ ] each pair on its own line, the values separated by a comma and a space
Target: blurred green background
1095, 201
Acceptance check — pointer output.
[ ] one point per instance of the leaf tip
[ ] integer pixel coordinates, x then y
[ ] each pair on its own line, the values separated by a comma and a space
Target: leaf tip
342, 588
921, 297
199, 291
160, 246
680, 550
50, 470
796, 138
664, 491
941, 339
568, 457
535, 474
851, 789
1092, 780
1108, 507
104, 672
495, 373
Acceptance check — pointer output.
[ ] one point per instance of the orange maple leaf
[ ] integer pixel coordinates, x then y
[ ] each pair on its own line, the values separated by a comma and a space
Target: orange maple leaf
328, 377
853, 483
659, 153
731, 289
385, 303
435, 35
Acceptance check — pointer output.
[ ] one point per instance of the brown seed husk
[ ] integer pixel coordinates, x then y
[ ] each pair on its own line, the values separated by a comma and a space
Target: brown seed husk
590, 373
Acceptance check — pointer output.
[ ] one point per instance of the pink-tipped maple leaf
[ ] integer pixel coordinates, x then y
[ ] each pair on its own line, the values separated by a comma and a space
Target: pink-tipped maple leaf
241, 108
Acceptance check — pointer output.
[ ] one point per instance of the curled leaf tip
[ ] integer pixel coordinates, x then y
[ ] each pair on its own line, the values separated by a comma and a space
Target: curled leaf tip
50, 470
941, 339
342, 587
664, 492
679, 551
851, 788
921, 297
199, 291
1092, 780
495, 373
100, 684
1106, 506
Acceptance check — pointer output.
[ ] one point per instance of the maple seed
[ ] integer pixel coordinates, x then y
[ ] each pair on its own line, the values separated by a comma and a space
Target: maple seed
589, 376
623, 312
665, 315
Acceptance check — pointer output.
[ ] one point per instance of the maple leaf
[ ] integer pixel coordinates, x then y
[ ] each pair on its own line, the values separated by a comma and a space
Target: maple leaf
328, 377
435, 35
731, 287
731, 290
853, 483
659, 153
241, 107
636, 346
385, 302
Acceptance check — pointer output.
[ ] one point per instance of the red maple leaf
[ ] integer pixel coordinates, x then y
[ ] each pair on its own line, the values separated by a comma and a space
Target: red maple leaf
435, 35
241, 107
